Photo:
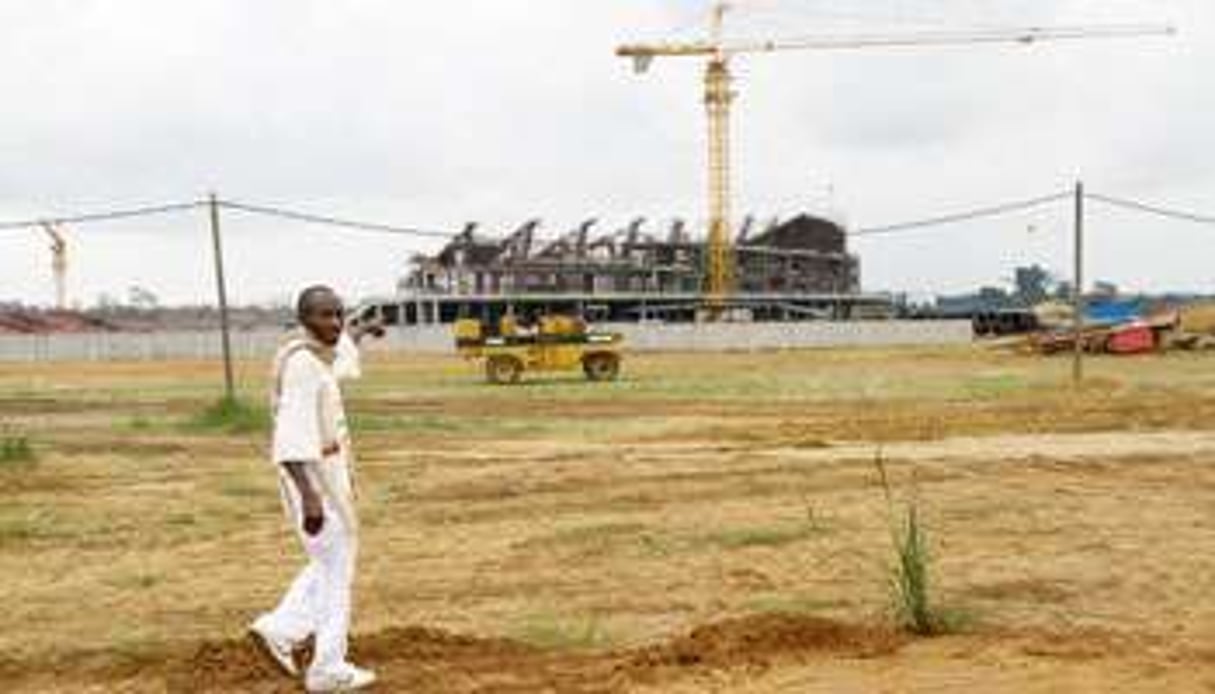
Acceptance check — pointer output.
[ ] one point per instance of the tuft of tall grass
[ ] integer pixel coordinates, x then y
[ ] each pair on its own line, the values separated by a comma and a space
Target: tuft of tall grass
911, 581
911, 578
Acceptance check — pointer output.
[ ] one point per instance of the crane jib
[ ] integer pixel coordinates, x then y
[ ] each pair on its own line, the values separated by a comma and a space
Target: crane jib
1024, 35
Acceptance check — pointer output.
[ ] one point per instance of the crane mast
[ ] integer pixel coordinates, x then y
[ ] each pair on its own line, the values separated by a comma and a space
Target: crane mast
718, 98
719, 266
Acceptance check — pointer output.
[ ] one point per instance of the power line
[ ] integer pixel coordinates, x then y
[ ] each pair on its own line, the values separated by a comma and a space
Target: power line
966, 216
130, 213
386, 228
327, 220
1153, 209
106, 216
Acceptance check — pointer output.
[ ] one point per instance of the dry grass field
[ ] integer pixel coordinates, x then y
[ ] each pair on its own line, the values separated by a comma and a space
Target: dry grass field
708, 523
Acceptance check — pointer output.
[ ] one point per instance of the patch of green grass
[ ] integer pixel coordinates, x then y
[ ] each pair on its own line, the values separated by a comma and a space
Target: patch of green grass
243, 488
993, 385
777, 603
418, 424
774, 536
16, 450
952, 619
182, 519
141, 580
127, 647
595, 534
367, 423
230, 416
137, 423
14, 531
21, 528
656, 545
551, 631
460, 426
591, 539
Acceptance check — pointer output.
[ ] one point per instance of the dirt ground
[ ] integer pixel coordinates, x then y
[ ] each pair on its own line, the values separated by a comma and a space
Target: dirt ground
710, 523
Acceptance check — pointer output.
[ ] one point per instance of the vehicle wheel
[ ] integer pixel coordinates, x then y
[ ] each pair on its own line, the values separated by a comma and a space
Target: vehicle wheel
503, 369
602, 366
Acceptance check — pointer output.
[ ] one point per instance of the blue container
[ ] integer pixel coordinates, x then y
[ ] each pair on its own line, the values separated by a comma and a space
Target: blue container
1113, 312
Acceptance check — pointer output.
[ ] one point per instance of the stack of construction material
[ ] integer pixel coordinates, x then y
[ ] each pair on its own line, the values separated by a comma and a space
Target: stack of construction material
1195, 327
1113, 327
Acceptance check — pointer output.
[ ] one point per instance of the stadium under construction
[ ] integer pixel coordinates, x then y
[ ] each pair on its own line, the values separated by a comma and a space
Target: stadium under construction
793, 270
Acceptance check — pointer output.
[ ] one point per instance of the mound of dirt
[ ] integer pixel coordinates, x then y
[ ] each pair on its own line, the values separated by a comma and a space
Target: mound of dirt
230, 665
431, 660
407, 659
758, 640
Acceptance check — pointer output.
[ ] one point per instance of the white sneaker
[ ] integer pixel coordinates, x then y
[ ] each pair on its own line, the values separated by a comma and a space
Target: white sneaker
278, 649
348, 679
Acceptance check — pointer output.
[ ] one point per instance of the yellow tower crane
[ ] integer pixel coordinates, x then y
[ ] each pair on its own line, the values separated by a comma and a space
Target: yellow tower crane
719, 272
58, 262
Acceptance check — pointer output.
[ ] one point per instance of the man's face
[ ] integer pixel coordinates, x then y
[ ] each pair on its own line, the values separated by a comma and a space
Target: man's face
323, 318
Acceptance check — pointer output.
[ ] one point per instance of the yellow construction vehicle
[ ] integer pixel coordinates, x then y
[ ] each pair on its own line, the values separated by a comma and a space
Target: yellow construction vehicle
555, 343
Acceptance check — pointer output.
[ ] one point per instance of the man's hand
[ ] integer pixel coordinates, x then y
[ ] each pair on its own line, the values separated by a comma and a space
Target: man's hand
314, 513
375, 328
314, 510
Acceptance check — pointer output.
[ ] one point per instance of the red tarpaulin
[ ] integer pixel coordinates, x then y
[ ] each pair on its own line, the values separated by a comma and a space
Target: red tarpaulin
1136, 338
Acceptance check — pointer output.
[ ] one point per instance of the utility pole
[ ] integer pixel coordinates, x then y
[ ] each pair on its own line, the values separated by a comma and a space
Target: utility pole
1078, 290
222, 292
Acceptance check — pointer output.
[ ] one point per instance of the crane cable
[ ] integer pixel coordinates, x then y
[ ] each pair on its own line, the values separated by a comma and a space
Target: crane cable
151, 210
379, 227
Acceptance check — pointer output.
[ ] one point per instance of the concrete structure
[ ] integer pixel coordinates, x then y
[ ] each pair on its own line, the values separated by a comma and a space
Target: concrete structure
259, 345
683, 307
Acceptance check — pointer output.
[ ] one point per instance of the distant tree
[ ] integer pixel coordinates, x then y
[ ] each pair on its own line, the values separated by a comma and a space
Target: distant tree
142, 298
1032, 285
106, 302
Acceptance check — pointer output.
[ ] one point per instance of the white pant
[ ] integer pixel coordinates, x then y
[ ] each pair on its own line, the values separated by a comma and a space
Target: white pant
318, 601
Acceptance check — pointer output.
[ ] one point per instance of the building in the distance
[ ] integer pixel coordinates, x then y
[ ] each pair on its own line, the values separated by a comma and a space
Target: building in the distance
795, 269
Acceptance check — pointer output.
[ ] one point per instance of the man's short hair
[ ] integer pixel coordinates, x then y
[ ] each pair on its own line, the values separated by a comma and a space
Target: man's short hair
310, 296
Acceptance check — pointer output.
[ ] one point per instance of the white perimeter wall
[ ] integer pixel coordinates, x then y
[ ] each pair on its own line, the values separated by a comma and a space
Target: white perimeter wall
706, 337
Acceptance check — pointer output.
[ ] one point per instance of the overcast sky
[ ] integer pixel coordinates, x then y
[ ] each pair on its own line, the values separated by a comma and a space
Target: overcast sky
432, 114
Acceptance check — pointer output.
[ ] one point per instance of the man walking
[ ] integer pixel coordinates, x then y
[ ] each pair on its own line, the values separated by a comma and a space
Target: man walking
311, 449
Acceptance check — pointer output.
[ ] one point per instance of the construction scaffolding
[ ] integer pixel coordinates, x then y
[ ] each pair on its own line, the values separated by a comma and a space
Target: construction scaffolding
800, 257
803, 254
